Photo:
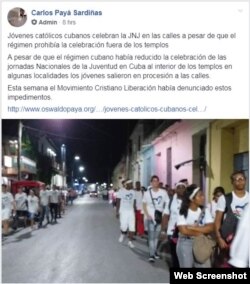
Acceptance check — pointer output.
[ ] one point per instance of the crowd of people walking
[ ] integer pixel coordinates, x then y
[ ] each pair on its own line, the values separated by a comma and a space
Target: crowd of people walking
33, 206
196, 233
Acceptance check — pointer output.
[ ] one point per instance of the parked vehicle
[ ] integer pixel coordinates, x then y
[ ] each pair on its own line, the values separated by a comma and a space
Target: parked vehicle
93, 193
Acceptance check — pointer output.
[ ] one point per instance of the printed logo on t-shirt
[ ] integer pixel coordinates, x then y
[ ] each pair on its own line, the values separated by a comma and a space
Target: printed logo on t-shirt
158, 200
202, 219
5, 201
239, 210
129, 196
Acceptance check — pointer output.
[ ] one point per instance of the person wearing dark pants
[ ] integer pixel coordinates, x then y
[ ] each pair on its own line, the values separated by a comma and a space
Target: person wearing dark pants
44, 205
53, 211
54, 201
21, 206
174, 257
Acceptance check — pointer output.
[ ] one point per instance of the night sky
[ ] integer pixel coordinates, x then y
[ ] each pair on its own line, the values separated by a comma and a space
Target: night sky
99, 143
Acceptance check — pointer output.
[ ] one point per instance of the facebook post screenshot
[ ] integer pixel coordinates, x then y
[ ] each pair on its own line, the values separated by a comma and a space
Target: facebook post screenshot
125, 141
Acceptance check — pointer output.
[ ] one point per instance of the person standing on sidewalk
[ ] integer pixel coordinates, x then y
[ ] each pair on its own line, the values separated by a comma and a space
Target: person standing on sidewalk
125, 209
7, 204
44, 203
33, 207
54, 199
154, 199
21, 205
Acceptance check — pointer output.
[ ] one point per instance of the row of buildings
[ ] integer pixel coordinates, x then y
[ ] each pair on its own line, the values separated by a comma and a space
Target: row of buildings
40, 159
205, 152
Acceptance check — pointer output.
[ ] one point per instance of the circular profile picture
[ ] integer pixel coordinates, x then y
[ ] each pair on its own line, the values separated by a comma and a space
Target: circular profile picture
17, 17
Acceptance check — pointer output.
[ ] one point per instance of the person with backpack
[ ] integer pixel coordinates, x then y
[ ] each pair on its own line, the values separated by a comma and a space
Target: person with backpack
193, 220
229, 210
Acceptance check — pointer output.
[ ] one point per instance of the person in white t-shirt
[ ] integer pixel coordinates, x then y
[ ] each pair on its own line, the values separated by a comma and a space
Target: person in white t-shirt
218, 191
240, 248
44, 205
54, 199
170, 216
7, 205
125, 209
21, 205
154, 199
139, 211
33, 207
227, 216
192, 221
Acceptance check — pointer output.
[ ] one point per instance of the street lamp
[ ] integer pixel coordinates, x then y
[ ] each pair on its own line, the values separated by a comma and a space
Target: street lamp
76, 159
63, 163
81, 168
19, 149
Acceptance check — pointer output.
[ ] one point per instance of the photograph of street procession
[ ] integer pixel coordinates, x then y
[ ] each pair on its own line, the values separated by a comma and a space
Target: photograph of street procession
122, 201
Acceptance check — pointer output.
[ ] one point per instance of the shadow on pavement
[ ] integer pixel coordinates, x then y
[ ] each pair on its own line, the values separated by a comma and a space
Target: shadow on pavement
143, 255
21, 237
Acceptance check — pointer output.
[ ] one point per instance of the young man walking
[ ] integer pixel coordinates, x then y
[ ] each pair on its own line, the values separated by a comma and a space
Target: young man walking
229, 210
125, 210
154, 199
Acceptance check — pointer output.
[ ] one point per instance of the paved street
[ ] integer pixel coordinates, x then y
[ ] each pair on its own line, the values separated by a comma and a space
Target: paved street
82, 247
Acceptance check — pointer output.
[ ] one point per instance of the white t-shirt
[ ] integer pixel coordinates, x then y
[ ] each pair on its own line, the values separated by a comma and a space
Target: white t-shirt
44, 197
127, 198
54, 195
212, 207
174, 213
138, 198
7, 199
238, 204
160, 198
240, 248
21, 199
33, 204
193, 217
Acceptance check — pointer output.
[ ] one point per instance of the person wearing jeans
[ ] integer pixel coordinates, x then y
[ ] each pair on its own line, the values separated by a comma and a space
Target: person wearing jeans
154, 198
154, 231
193, 220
